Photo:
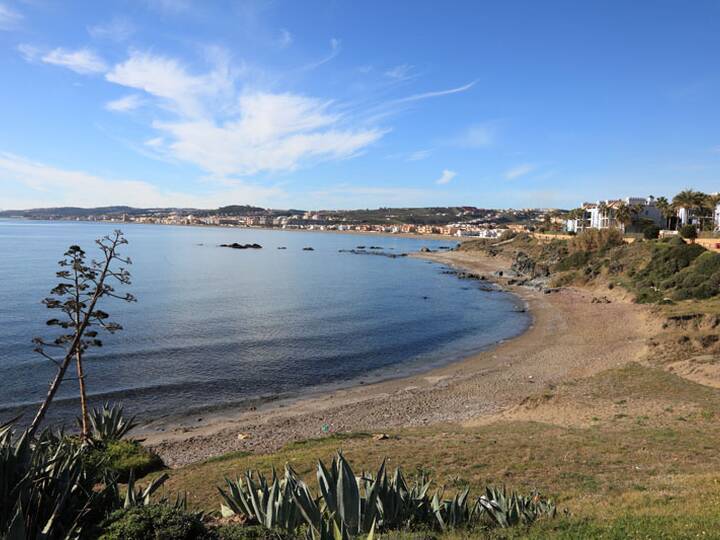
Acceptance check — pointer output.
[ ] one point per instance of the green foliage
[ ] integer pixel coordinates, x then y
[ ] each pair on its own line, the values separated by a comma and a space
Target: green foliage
121, 457
688, 232
45, 492
673, 271
50, 487
591, 240
578, 259
651, 232
155, 521
349, 506
248, 532
699, 280
109, 423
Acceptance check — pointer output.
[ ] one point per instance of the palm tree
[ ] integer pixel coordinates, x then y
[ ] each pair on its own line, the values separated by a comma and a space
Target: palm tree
711, 204
603, 211
623, 214
666, 209
690, 200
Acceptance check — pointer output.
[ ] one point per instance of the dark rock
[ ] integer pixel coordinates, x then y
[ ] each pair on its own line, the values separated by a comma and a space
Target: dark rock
235, 245
282, 247
308, 249
425, 250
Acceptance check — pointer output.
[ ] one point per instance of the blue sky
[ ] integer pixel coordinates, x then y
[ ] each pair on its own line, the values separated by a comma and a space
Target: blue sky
339, 104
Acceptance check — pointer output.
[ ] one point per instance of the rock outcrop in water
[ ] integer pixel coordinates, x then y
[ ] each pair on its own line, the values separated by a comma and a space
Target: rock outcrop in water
235, 245
378, 253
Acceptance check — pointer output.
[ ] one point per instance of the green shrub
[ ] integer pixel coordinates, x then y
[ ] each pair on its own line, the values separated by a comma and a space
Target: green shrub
249, 532
596, 240
667, 258
699, 280
155, 521
689, 232
651, 232
578, 259
122, 456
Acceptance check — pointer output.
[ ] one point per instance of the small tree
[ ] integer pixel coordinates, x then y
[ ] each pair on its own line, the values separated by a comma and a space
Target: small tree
689, 232
82, 285
651, 232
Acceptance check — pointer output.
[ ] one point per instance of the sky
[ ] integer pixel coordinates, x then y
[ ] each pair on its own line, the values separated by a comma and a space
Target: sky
339, 104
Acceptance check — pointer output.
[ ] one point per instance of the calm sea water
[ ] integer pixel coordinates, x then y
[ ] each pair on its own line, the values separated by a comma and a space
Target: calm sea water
214, 326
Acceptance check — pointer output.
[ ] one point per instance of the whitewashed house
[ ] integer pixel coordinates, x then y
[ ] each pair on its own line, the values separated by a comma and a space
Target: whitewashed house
601, 215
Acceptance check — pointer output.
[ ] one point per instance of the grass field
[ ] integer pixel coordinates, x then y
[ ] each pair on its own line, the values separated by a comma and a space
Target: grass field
624, 475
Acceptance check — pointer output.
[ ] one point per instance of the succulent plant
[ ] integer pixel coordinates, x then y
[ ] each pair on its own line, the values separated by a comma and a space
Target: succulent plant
109, 424
348, 506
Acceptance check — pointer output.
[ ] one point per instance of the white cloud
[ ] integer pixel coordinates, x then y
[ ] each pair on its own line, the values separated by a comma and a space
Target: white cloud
400, 73
117, 29
125, 104
155, 142
228, 131
52, 186
437, 93
29, 52
83, 61
286, 38
418, 155
446, 177
9, 18
476, 136
167, 78
519, 170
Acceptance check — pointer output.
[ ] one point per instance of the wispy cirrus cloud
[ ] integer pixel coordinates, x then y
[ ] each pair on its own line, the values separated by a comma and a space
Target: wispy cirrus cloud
117, 29
52, 186
9, 18
446, 177
433, 94
520, 170
285, 39
401, 72
418, 155
125, 103
475, 136
83, 61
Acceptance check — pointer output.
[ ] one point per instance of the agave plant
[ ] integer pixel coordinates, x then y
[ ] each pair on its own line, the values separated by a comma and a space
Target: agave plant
348, 506
270, 504
507, 510
45, 491
402, 505
109, 423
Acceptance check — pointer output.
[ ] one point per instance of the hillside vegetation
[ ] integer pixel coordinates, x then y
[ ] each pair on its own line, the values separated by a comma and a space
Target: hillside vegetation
654, 271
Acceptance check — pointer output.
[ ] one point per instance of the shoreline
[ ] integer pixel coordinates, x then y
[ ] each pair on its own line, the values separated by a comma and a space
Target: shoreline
458, 239
481, 386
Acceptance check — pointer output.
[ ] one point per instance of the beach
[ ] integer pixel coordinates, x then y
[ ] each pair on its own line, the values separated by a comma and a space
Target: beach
571, 337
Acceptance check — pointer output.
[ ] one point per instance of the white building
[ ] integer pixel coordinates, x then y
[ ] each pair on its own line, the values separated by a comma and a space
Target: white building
601, 215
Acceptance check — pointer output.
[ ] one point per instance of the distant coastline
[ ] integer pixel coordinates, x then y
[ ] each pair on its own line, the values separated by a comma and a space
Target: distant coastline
120, 224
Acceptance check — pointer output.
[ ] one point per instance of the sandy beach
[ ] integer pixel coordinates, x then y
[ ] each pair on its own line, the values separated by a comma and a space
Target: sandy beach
570, 337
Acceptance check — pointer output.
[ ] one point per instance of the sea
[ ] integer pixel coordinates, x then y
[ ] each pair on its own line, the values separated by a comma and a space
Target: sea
215, 328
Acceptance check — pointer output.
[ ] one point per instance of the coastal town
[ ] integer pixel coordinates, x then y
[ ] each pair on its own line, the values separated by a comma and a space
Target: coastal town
631, 215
